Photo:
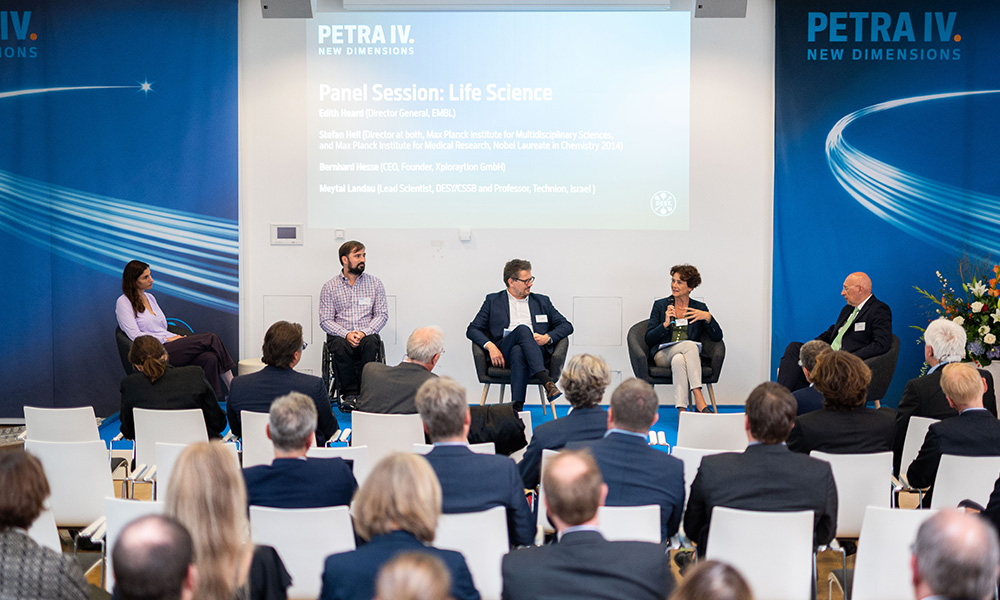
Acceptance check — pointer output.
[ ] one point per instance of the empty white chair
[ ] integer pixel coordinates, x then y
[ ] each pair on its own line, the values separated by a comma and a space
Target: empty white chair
45, 533
773, 550
79, 476
542, 525
862, 480
726, 431
482, 538
257, 447
916, 431
303, 538
168, 426
482, 448
119, 514
357, 454
166, 457
526, 419
691, 457
961, 477
61, 424
630, 523
384, 434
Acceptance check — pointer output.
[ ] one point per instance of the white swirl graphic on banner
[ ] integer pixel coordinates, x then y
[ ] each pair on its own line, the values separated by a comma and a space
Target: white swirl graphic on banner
938, 213
195, 257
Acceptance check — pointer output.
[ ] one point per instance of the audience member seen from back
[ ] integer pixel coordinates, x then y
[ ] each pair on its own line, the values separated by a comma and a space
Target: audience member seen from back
844, 425
28, 570
392, 390
635, 473
713, 580
955, 556
161, 386
584, 379
771, 477
396, 510
413, 576
207, 496
583, 564
254, 392
470, 482
154, 560
138, 314
808, 398
293, 480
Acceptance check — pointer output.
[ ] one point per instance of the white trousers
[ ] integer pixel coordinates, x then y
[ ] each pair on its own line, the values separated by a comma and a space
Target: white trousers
685, 368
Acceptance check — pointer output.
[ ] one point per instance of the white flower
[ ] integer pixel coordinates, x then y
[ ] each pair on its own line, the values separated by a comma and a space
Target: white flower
978, 289
959, 321
976, 306
989, 338
996, 316
984, 330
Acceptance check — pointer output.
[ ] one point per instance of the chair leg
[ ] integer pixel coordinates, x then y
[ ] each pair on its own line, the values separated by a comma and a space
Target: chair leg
541, 397
503, 388
711, 394
486, 390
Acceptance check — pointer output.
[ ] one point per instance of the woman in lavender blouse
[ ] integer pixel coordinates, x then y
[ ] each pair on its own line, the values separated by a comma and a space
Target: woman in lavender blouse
139, 314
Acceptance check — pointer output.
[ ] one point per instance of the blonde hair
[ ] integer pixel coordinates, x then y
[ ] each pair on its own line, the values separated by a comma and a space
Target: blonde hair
413, 576
207, 495
401, 493
584, 379
962, 383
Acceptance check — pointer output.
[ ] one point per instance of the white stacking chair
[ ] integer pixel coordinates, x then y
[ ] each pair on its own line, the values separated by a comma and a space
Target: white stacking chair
384, 434
726, 431
691, 457
916, 431
45, 533
257, 447
79, 478
964, 477
482, 448
630, 523
303, 538
882, 564
528, 433
357, 454
482, 539
542, 525
773, 550
119, 514
61, 424
168, 426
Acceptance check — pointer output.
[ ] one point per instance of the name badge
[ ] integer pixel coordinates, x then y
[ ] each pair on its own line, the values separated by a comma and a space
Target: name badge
541, 318
859, 327
680, 322
364, 301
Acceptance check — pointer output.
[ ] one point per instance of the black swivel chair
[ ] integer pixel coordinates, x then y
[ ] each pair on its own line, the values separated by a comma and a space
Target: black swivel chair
488, 374
882, 367
713, 354
125, 345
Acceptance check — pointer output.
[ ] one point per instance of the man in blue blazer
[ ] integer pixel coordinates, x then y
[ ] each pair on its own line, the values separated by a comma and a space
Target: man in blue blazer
518, 330
637, 474
470, 482
293, 480
254, 392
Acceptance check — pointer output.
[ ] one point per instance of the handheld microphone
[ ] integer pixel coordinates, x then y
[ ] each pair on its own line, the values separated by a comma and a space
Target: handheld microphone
670, 302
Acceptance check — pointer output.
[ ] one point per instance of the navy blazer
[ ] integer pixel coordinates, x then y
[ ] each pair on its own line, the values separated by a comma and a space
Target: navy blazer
351, 575
472, 482
861, 430
637, 474
972, 433
256, 391
494, 316
300, 483
585, 565
579, 425
657, 334
808, 399
179, 388
873, 339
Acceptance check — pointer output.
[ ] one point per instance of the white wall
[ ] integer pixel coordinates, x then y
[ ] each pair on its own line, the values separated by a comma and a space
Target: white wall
433, 278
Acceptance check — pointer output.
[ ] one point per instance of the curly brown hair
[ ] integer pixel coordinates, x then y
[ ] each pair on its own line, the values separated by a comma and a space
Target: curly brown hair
688, 273
842, 378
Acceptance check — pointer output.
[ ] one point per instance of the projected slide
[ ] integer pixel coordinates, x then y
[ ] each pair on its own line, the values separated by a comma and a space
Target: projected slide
499, 120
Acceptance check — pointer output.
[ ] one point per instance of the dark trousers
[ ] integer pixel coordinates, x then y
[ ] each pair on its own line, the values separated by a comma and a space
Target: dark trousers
348, 360
790, 373
524, 358
204, 350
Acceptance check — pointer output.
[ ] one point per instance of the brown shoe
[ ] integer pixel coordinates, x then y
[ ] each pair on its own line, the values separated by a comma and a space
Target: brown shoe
551, 391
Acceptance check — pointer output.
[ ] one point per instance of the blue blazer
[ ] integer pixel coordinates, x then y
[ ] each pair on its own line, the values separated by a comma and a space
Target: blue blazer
256, 391
351, 575
473, 482
300, 483
808, 399
637, 474
579, 425
657, 334
494, 317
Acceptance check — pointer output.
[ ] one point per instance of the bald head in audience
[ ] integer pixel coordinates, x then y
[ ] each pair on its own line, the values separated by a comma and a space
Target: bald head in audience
955, 556
574, 489
154, 560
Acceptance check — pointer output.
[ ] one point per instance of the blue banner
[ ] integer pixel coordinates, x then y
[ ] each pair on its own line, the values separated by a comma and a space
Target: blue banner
120, 122
885, 139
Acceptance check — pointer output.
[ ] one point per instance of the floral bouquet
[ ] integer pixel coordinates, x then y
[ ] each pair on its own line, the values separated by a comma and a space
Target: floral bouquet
977, 310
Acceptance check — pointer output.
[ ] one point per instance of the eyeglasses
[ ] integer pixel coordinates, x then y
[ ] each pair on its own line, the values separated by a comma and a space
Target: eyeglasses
525, 281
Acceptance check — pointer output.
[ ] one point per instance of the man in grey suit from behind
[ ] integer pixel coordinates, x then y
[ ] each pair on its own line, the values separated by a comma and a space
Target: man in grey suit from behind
955, 556
392, 390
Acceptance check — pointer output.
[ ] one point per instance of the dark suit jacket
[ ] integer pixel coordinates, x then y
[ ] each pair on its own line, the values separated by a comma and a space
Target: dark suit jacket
579, 425
972, 433
808, 400
862, 430
473, 482
256, 391
637, 474
351, 575
180, 388
657, 334
300, 483
923, 397
391, 390
585, 565
765, 477
494, 316
873, 339
992, 512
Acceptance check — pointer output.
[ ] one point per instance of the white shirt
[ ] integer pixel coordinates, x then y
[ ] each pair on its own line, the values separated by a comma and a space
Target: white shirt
520, 312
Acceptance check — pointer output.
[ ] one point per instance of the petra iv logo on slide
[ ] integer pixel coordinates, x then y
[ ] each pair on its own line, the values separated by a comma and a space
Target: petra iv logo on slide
14, 28
663, 203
